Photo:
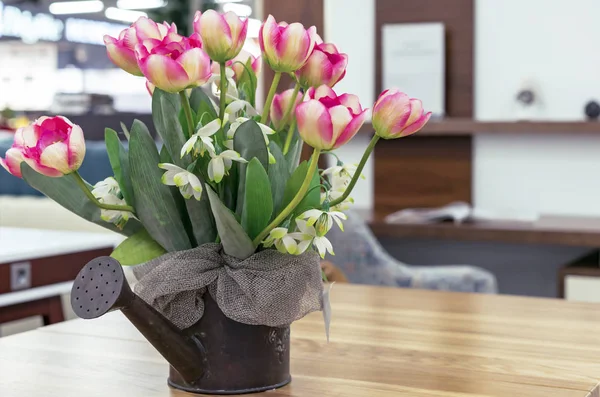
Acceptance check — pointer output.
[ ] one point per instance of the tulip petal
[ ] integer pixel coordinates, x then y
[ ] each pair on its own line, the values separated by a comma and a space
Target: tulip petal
238, 28
268, 35
340, 118
315, 124
416, 111
351, 101
322, 91
76, 147
56, 156
216, 35
416, 126
196, 64
165, 73
31, 134
12, 162
146, 28
351, 129
316, 71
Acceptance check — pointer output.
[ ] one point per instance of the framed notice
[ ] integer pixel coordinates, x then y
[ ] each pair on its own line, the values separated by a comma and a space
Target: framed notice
414, 62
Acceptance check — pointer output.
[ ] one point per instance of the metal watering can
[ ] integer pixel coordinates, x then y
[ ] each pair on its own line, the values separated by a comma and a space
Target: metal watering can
216, 355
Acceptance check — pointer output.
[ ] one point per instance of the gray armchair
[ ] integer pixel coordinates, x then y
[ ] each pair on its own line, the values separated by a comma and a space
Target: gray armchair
364, 261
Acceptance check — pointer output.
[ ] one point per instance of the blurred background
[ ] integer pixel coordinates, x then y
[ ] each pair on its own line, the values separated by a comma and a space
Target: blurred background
515, 137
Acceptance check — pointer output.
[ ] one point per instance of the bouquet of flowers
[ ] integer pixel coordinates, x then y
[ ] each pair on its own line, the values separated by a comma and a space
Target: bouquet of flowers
225, 172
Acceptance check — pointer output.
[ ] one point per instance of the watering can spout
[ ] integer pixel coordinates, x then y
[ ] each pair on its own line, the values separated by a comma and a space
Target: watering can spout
101, 287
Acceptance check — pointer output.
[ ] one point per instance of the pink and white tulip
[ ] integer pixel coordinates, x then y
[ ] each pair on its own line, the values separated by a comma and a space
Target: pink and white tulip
121, 51
223, 35
327, 121
174, 64
326, 65
396, 115
279, 106
52, 146
286, 47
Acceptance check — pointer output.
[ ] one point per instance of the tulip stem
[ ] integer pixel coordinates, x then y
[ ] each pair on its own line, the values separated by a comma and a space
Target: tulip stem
94, 200
356, 175
223, 98
290, 134
187, 109
269, 101
312, 167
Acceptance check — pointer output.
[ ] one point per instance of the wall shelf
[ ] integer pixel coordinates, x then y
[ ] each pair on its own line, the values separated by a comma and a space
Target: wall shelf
462, 127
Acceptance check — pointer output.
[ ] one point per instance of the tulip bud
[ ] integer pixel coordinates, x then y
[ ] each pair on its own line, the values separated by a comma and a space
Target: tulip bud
174, 64
280, 104
52, 146
395, 115
324, 66
286, 47
121, 51
327, 121
223, 35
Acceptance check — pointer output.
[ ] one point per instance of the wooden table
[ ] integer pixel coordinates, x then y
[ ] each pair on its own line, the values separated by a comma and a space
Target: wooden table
384, 342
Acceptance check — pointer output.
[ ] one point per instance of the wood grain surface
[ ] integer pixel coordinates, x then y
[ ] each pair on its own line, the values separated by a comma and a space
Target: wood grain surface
384, 342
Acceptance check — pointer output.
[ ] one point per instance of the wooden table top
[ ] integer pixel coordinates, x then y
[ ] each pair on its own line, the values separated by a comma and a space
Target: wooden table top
384, 342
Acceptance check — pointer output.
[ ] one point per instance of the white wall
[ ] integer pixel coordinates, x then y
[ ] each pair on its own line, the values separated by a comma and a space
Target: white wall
350, 25
551, 43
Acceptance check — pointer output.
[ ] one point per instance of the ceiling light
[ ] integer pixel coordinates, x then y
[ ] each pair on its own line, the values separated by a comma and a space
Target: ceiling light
76, 7
241, 10
140, 4
253, 28
123, 15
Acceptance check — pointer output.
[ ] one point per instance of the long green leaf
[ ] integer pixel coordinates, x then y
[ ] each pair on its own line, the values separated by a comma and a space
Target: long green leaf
155, 206
249, 142
119, 161
201, 103
293, 156
165, 114
278, 176
233, 237
258, 203
312, 199
66, 192
139, 248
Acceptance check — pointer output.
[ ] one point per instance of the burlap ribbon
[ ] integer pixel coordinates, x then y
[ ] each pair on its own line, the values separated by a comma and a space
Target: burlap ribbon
268, 288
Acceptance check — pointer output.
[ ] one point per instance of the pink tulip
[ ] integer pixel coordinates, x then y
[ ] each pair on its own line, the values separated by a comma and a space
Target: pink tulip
52, 146
223, 35
280, 105
395, 115
121, 51
327, 121
236, 65
324, 66
175, 63
286, 47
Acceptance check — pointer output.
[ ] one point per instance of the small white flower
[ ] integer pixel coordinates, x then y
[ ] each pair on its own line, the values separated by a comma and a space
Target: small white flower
283, 241
221, 163
189, 185
307, 236
341, 175
106, 187
323, 220
333, 195
238, 105
118, 218
202, 137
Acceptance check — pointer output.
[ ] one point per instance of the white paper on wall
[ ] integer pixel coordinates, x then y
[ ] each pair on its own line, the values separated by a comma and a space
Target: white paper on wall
414, 61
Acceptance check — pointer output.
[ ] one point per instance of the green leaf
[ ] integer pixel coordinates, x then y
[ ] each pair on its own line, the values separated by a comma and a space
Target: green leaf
183, 120
312, 199
165, 114
293, 155
278, 176
258, 203
119, 161
67, 193
139, 248
201, 103
155, 206
248, 82
249, 142
233, 237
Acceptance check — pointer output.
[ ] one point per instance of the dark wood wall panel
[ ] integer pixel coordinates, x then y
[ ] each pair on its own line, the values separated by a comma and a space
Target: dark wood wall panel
421, 172
457, 16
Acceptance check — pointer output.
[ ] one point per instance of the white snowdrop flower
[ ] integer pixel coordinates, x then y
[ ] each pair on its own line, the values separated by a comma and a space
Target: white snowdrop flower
189, 184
